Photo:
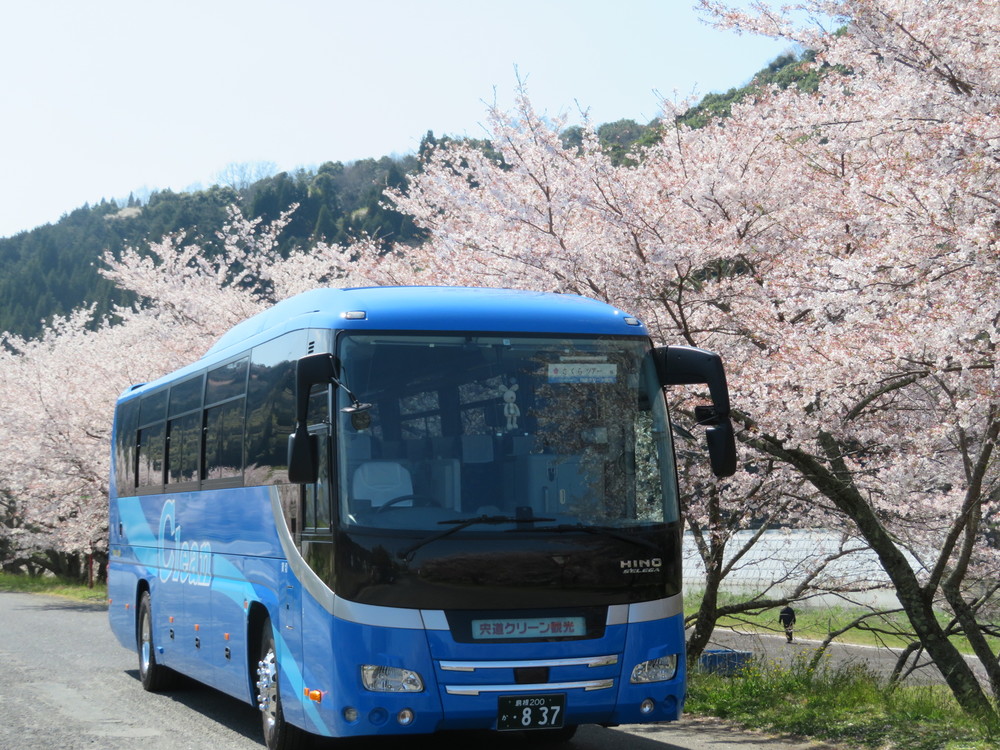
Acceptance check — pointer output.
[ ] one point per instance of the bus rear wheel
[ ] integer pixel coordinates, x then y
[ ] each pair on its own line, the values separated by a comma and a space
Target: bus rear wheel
278, 733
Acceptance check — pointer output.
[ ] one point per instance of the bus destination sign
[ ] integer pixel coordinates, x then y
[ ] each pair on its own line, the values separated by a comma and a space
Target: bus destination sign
507, 628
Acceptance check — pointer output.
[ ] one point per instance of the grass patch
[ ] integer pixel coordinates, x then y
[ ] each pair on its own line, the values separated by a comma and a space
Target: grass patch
54, 586
848, 705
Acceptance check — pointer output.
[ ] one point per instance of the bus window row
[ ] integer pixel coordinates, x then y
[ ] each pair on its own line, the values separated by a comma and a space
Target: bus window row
226, 426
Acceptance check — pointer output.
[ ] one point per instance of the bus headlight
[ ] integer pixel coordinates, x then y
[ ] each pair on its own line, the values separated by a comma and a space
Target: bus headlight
656, 670
380, 679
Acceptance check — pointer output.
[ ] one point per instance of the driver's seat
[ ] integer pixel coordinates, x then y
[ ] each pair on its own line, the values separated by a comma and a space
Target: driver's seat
378, 482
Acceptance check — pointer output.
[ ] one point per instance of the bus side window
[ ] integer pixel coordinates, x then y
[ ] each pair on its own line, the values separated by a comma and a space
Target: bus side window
225, 412
184, 431
317, 510
152, 442
182, 448
224, 440
271, 407
151, 446
126, 441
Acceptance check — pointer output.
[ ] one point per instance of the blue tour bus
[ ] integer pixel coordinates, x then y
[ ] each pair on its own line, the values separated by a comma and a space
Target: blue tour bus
405, 510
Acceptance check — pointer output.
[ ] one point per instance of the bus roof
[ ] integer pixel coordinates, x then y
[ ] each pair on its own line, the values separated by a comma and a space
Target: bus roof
417, 308
429, 308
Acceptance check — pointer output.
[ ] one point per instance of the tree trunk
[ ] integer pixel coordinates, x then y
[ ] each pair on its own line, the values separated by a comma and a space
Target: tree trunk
704, 624
832, 478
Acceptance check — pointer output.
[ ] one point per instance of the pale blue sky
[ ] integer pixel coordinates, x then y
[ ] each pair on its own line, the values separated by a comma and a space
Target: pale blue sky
101, 98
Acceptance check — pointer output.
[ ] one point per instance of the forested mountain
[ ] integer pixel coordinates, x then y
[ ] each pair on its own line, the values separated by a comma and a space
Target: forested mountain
53, 269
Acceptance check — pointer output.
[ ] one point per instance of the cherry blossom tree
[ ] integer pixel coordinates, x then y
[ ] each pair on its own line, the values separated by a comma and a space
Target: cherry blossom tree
59, 390
59, 393
839, 248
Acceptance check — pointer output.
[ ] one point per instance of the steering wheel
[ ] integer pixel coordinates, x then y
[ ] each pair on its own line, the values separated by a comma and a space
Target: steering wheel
421, 500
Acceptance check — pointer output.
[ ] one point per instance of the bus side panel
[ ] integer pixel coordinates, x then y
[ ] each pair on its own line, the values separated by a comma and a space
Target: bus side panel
123, 582
224, 660
312, 669
228, 664
133, 553
173, 625
205, 557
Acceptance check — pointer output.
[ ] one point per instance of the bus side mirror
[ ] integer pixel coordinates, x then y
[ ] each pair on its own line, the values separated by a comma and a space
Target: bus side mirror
688, 365
303, 458
303, 451
722, 448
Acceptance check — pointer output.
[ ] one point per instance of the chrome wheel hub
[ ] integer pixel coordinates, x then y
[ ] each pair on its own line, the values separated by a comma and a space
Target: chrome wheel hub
145, 645
267, 688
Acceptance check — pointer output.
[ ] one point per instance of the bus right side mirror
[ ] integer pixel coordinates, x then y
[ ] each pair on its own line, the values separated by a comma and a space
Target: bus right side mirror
722, 448
688, 365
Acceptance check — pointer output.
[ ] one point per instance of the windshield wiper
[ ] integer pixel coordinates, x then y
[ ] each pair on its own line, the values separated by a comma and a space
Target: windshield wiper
464, 523
600, 531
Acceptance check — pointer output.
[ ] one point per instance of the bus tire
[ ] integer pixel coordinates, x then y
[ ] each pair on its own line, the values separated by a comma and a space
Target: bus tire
154, 677
278, 733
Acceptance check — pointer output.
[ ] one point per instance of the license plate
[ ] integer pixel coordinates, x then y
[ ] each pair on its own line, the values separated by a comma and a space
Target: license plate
531, 711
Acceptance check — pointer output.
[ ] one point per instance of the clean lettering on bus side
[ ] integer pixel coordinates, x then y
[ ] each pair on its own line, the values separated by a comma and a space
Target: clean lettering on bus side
181, 560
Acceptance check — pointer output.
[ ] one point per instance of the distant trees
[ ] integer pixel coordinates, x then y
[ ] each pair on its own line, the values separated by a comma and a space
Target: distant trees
241, 176
59, 389
784, 71
621, 140
52, 270
618, 138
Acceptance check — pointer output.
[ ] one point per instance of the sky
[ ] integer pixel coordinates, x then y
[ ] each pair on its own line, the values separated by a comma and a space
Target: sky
105, 98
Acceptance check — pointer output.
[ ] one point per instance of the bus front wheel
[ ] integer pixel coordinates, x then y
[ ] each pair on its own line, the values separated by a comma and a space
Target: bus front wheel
278, 734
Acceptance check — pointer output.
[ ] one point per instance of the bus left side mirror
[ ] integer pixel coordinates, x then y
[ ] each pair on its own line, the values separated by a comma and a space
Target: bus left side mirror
303, 451
303, 458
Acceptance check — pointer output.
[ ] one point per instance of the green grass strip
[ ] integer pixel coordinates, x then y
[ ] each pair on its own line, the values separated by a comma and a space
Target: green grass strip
848, 705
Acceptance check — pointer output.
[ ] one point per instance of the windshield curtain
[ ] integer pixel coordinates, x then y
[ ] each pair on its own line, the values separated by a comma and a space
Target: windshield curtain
562, 430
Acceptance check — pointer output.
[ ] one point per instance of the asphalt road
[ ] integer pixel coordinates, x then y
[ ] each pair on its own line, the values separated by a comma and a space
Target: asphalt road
66, 683
879, 659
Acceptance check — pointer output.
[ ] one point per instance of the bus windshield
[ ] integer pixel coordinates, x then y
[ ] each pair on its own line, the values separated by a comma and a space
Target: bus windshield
487, 433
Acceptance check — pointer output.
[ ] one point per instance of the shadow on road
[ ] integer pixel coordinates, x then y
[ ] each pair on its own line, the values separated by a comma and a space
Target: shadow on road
232, 713
25, 601
588, 737
71, 605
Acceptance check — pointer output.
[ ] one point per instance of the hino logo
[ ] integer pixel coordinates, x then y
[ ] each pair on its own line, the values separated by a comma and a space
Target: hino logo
652, 565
